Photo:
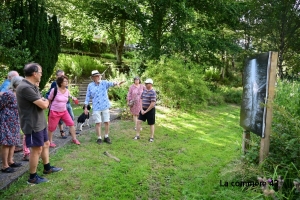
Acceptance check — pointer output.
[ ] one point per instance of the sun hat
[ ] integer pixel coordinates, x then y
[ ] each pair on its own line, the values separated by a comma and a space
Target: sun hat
95, 73
149, 80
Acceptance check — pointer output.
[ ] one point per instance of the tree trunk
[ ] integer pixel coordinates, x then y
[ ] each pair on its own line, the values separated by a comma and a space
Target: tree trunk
121, 42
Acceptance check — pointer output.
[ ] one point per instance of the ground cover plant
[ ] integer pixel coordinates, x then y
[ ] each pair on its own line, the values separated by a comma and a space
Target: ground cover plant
184, 162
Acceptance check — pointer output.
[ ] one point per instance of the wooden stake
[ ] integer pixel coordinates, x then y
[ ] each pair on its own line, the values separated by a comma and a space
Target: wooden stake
246, 141
265, 142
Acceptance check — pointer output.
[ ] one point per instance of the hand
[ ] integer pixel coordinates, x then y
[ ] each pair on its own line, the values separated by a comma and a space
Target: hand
143, 112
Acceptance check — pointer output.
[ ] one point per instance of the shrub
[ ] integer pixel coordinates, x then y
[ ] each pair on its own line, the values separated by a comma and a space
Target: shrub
284, 152
177, 84
231, 94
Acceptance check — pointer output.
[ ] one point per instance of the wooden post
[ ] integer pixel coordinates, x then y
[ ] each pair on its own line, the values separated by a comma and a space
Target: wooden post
265, 142
246, 141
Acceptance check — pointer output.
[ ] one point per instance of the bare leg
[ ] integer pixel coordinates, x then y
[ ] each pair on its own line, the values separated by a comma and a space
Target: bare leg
5, 152
98, 129
11, 152
35, 153
138, 127
106, 128
134, 118
26, 150
61, 127
45, 153
73, 132
50, 134
152, 131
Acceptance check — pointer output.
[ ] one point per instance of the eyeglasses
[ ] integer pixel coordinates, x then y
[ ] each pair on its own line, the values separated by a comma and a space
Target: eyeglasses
66, 81
39, 72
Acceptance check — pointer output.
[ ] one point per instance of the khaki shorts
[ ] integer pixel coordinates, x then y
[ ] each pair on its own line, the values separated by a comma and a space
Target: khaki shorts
101, 116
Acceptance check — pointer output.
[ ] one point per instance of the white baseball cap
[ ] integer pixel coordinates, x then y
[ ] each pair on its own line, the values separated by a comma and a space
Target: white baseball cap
95, 73
149, 80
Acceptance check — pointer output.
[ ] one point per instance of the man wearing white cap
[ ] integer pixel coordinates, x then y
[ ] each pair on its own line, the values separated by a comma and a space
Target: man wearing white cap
97, 90
147, 109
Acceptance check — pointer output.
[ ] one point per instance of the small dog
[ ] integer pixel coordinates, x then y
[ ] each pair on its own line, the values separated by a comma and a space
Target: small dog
83, 119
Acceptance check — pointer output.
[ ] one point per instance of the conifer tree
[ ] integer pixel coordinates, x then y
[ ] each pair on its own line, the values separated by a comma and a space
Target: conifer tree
41, 31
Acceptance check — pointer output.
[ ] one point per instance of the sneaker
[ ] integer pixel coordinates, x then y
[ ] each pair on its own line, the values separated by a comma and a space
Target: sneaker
136, 137
36, 180
76, 141
107, 140
52, 145
151, 140
52, 170
99, 141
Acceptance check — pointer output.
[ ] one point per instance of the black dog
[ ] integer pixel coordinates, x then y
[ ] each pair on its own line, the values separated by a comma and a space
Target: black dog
83, 119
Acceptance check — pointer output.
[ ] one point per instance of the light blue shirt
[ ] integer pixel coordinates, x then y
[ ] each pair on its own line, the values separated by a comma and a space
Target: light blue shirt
5, 85
99, 95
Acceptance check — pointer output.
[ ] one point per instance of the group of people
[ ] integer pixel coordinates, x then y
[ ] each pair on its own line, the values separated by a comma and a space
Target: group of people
22, 107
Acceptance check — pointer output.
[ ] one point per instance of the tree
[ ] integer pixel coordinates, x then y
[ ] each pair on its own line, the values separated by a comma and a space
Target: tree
40, 30
12, 53
277, 28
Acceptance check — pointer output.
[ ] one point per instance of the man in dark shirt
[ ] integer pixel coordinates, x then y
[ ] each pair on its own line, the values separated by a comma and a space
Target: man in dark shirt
147, 109
33, 122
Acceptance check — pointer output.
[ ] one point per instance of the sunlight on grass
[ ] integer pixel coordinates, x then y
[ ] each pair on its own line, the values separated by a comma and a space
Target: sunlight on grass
185, 161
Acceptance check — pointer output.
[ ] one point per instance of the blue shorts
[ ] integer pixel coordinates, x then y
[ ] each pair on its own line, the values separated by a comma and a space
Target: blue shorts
37, 139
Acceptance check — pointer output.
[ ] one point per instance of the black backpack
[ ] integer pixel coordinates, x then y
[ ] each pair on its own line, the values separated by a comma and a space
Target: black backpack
54, 95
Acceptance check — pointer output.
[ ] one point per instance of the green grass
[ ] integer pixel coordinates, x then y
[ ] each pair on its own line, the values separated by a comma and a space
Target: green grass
187, 160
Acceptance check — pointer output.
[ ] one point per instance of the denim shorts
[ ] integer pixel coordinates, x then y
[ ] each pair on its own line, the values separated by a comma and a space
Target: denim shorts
36, 139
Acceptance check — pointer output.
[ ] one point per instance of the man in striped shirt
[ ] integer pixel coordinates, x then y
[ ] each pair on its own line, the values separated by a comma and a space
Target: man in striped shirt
147, 109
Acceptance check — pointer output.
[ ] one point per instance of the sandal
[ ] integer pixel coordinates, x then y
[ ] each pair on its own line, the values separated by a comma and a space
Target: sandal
8, 170
15, 165
63, 134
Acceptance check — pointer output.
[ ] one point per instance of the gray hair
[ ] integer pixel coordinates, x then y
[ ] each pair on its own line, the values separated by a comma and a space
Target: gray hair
15, 81
12, 74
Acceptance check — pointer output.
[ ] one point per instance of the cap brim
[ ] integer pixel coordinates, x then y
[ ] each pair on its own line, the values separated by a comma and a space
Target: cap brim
96, 75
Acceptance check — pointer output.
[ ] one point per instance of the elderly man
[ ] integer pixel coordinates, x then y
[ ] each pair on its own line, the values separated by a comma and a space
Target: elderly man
5, 84
97, 90
31, 108
147, 109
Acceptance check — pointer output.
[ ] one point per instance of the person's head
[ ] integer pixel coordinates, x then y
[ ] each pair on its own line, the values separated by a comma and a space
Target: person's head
149, 83
33, 71
59, 73
12, 74
96, 76
15, 81
136, 80
62, 81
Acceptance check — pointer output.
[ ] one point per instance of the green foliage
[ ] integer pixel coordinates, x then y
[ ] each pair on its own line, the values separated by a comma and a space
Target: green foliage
108, 56
285, 137
231, 94
13, 53
41, 31
178, 84
76, 66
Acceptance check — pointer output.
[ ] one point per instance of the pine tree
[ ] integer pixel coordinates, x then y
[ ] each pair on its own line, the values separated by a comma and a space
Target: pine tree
40, 31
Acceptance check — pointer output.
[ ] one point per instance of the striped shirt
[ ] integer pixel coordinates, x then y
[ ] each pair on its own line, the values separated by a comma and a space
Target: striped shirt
147, 97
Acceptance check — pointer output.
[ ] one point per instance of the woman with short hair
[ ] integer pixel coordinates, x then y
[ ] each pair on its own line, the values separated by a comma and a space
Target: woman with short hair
58, 109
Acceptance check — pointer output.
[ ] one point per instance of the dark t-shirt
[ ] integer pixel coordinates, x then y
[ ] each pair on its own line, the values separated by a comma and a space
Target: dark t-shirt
32, 117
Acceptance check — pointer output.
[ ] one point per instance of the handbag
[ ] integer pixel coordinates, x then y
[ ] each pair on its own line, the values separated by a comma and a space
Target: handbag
131, 103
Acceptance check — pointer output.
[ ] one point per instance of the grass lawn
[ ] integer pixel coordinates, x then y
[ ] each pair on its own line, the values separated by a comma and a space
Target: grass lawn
186, 161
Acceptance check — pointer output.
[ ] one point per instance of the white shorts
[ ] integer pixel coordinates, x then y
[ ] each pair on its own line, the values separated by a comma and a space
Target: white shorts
101, 116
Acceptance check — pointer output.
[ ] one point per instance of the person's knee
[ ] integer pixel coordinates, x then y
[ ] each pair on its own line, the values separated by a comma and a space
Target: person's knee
36, 151
47, 144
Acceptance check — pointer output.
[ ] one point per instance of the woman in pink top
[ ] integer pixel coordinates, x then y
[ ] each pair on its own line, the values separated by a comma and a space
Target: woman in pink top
58, 109
134, 94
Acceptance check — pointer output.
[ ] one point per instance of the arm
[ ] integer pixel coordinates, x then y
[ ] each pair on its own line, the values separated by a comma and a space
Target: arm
87, 100
152, 105
42, 103
129, 95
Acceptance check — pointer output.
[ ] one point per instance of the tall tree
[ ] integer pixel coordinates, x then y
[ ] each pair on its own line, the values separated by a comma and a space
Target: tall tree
40, 30
277, 28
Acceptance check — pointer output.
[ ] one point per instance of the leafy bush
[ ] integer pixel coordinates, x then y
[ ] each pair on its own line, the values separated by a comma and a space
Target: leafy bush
76, 66
231, 94
109, 56
284, 152
177, 84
